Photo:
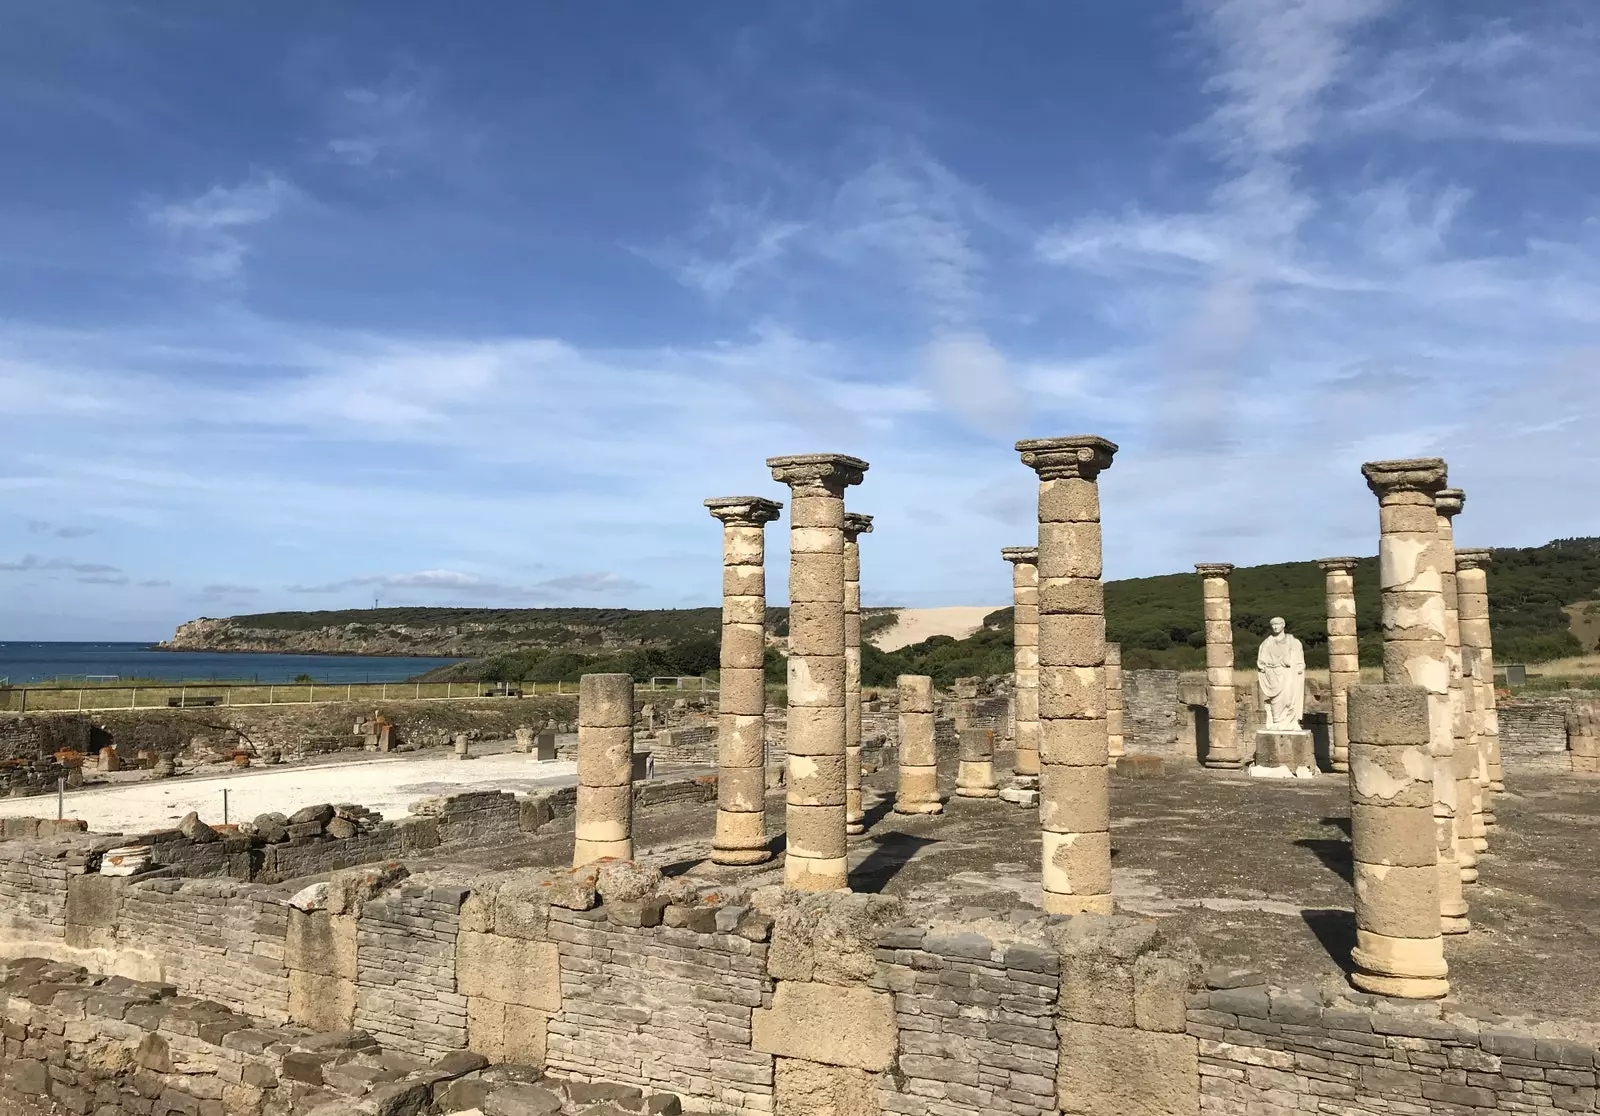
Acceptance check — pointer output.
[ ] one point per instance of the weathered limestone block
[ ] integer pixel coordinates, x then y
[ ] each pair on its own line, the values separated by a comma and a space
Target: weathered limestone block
741, 835
1025, 661
1076, 854
1115, 749
94, 904
1411, 561
604, 820
1114, 1071
1583, 736
815, 859
1472, 596
918, 789
855, 525
1469, 827
509, 970
320, 1002
975, 774
859, 1032
507, 1033
1222, 717
1344, 659
321, 942
1399, 947
809, 1089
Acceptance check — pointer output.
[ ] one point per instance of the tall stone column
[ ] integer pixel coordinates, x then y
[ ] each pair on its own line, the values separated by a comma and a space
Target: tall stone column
975, 772
603, 821
1025, 661
742, 705
1115, 747
1411, 559
1344, 657
855, 525
1074, 785
1447, 504
1222, 716
1399, 949
918, 790
1472, 596
816, 859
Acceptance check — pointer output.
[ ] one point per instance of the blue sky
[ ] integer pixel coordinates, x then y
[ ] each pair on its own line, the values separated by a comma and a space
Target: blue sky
303, 304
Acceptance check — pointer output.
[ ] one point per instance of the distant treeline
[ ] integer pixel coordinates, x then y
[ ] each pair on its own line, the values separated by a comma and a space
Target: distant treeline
1156, 619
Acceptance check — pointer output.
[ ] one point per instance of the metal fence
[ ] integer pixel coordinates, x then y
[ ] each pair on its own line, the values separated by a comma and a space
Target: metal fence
203, 695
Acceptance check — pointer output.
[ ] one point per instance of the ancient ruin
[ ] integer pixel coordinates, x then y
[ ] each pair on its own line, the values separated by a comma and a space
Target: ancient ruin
1025, 694
1115, 747
603, 826
917, 790
855, 525
1222, 726
1344, 656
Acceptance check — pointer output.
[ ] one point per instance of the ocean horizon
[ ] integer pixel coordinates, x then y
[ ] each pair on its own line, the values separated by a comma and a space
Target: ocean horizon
23, 662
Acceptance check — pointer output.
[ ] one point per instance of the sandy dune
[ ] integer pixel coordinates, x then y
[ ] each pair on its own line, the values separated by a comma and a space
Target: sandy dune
917, 624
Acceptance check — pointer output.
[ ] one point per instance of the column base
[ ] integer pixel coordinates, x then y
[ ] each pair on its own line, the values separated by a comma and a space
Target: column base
1057, 903
1480, 845
1455, 924
854, 828
816, 874
740, 857
1225, 763
1410, 988
977, 792
587, 852
919, 807
1469, 875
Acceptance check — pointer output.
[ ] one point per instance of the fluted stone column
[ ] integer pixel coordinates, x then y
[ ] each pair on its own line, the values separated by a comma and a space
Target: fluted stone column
975, 772
918, 790
1025, 661
816, 859
1447, 504
1074, 785
1399, 949
1472, 596
1344, 657
1222, 716
603, 824
855, 525
1114, 707
741, 836
1411, 559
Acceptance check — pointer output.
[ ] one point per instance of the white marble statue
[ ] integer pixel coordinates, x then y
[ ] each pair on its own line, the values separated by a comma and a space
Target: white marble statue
1281, 674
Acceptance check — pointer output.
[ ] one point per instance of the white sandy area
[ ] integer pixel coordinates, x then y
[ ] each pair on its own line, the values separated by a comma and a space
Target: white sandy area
914, 625
387, 784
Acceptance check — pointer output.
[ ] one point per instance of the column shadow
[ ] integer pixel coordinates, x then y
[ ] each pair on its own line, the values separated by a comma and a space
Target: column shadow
1334, 853
883, 863
1335, 931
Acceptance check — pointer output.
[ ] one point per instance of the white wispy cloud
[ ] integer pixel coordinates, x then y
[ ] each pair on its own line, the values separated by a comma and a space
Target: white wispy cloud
210, 232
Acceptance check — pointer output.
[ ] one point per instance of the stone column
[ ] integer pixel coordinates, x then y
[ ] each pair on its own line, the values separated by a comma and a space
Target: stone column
918, 790
855, 525
975, 774
1114, 744
1411, 559
603, 824
1025, 662
1222, 715
742, 699
1472, 597
1074, 785
1447, 504
1583, 736
1399, 948
1344, 658
816, 859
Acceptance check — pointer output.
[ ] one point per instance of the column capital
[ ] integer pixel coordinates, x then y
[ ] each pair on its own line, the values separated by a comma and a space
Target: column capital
1213, 569
1021, 555
856, 525
1337, 565
1447, 502
744, 511
824, 474
1474, 559
1414, 474
1082, 456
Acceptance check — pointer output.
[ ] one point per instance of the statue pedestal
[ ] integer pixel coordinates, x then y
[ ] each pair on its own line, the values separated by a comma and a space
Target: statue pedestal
1284, 754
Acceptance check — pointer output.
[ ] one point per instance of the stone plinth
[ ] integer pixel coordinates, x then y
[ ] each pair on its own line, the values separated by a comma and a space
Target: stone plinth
741, 836
816, 857
918, 790
603, 823
1411, 561
1222, 716
1074, 782
1447, 503
1025, 662
1344, 658
1284, 754
975, 775
1399, 950
463, 747
544, 745
855, 525
1115, 749
1472, 597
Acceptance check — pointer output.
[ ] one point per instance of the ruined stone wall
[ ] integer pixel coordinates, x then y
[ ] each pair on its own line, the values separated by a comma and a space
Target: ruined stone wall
1533, 732
1151, 709
406, 994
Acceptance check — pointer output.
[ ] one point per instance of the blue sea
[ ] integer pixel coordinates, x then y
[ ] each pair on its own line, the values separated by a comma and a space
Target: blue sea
24, 662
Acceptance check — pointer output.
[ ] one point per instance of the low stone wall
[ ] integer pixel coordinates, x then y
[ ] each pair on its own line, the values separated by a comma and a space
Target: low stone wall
1533, 732
1151, 708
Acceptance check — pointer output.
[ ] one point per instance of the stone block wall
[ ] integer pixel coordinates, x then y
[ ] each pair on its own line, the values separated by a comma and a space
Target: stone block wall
406, 994
1533, 732
1151, 708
